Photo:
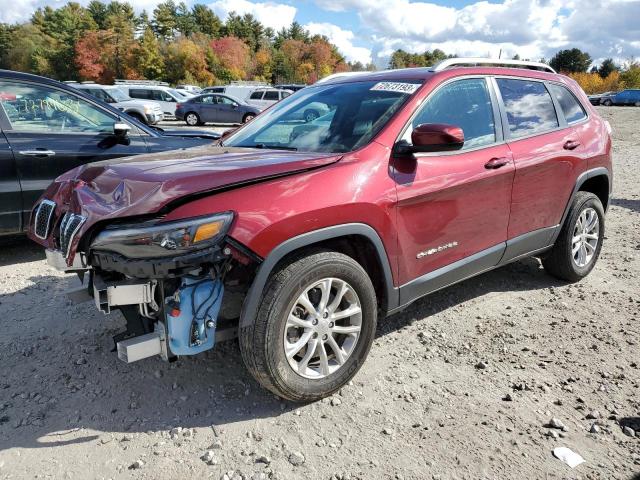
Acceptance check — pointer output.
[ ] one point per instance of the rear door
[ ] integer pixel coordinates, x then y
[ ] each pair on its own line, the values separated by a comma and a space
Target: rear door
52, 131
208, 108
255, 99
548, 156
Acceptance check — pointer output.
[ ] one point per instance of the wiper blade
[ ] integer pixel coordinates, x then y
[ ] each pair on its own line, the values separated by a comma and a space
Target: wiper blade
272, 147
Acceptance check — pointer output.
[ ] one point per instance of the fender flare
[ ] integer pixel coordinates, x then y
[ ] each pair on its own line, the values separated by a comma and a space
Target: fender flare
582, 178
252, 300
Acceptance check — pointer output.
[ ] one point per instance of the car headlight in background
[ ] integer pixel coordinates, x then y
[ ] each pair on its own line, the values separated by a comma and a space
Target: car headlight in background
164, 239
148, 109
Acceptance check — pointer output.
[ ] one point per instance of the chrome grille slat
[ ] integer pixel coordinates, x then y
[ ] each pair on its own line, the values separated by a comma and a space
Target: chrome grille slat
42, 220
69, 227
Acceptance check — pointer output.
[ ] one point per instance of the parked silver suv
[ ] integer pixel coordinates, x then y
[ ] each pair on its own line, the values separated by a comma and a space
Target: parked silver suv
148, 112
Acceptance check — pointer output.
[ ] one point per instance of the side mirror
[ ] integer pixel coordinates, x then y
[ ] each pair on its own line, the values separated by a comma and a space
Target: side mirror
121, 132
433, 137
121, 129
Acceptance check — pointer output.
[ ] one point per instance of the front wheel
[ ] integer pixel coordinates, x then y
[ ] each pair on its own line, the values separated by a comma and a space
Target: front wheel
607, 103
578, 246
248, 117
314, 327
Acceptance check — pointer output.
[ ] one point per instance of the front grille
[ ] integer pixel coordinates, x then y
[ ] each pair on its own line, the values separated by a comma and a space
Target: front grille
42, 220
69, 226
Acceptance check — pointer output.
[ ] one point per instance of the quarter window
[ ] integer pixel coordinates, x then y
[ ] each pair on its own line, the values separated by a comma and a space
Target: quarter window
465, 104
35, 108
573, 111
529, 107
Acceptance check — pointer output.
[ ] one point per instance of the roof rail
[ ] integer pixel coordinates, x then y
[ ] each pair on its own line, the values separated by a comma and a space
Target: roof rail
141, 82
471, 62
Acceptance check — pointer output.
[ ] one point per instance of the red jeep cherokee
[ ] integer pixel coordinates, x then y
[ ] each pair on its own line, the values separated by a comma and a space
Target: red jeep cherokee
297, 236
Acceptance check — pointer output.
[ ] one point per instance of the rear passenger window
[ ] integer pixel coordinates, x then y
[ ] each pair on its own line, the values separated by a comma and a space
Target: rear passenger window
140, 93
529, 107
465, 104
271, 95
573, 111
256, 96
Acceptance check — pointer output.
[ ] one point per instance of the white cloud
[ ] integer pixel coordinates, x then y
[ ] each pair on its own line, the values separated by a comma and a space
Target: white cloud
531, 28
274, 15
14, 12
343, 39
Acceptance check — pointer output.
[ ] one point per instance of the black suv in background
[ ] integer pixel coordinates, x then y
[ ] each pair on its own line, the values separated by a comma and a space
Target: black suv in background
47, 128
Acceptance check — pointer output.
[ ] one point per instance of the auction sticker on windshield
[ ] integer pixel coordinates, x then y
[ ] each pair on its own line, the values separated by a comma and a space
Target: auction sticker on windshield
408, 88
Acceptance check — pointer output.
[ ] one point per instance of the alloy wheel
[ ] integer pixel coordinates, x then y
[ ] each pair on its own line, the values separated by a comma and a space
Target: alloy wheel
323, 328
192, 119
586, 235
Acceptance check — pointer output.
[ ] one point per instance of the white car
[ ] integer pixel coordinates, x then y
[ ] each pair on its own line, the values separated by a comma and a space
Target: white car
146, 111
265, 97
167, 97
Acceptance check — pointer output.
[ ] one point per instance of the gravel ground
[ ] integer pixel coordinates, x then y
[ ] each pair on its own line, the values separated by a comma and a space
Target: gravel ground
462, 385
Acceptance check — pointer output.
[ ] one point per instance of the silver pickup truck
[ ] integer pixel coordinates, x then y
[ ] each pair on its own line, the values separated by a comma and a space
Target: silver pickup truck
146, 111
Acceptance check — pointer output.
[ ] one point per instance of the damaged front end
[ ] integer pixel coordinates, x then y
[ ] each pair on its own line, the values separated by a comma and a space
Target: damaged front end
179, 284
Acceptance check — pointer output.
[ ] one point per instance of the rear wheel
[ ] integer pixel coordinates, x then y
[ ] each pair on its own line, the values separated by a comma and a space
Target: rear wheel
192, 119
607, 103
248, 117
578, 246
637, 104
314, 327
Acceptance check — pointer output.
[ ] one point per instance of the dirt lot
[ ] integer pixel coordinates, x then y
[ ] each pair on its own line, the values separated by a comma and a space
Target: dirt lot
462, 385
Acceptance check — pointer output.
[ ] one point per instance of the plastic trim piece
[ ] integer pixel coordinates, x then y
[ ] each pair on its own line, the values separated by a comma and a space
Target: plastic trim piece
252, 301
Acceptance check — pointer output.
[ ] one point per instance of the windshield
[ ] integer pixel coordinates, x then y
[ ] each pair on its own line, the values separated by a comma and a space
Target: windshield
118, 95
176, 94
358, 111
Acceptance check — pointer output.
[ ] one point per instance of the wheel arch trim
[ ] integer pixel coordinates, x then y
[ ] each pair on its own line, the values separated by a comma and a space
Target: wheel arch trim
582, 178
252, 300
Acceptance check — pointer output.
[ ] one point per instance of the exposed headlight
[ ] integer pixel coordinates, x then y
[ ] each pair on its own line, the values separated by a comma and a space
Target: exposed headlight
165, 239
148, 109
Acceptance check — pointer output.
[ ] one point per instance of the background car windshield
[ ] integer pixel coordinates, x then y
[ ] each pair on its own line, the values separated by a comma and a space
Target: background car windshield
359, 110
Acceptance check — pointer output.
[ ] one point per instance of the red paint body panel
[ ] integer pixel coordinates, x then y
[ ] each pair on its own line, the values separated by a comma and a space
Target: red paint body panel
436, 200
452, 198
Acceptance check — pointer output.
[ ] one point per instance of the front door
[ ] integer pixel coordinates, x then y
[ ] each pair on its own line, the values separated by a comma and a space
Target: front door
228, 110
453, 207
10, 195
52, 131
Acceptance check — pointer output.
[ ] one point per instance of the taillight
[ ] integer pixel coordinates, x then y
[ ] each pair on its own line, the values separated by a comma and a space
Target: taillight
178, 105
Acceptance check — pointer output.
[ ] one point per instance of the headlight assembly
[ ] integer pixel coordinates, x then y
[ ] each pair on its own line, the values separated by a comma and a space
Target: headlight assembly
165, 239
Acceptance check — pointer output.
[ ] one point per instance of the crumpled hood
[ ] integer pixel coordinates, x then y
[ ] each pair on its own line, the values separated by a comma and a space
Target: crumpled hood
144, 184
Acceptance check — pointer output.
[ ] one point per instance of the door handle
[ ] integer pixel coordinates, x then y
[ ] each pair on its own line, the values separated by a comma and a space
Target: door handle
571, 145
37, 153
495, 163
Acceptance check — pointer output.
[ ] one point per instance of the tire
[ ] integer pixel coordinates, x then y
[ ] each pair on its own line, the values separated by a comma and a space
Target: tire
310, 115
607, 103
263, 342
248, 117
560, 262
192, 119
637, 104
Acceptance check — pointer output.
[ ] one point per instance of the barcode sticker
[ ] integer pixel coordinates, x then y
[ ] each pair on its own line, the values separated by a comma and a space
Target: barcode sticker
407, 88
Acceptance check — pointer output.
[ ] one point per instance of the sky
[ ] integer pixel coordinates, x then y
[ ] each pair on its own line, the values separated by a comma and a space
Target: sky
370, 30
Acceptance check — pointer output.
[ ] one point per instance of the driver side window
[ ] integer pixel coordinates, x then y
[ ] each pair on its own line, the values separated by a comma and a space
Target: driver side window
465, 104
36, 108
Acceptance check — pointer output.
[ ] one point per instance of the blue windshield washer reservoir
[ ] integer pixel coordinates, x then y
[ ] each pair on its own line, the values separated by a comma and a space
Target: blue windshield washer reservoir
192, 315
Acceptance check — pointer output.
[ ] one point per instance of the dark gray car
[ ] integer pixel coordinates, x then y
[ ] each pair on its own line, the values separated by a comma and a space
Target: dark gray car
215, 108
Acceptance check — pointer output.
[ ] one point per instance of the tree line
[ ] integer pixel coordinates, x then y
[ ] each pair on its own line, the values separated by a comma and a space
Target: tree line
177, 44
608, 76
